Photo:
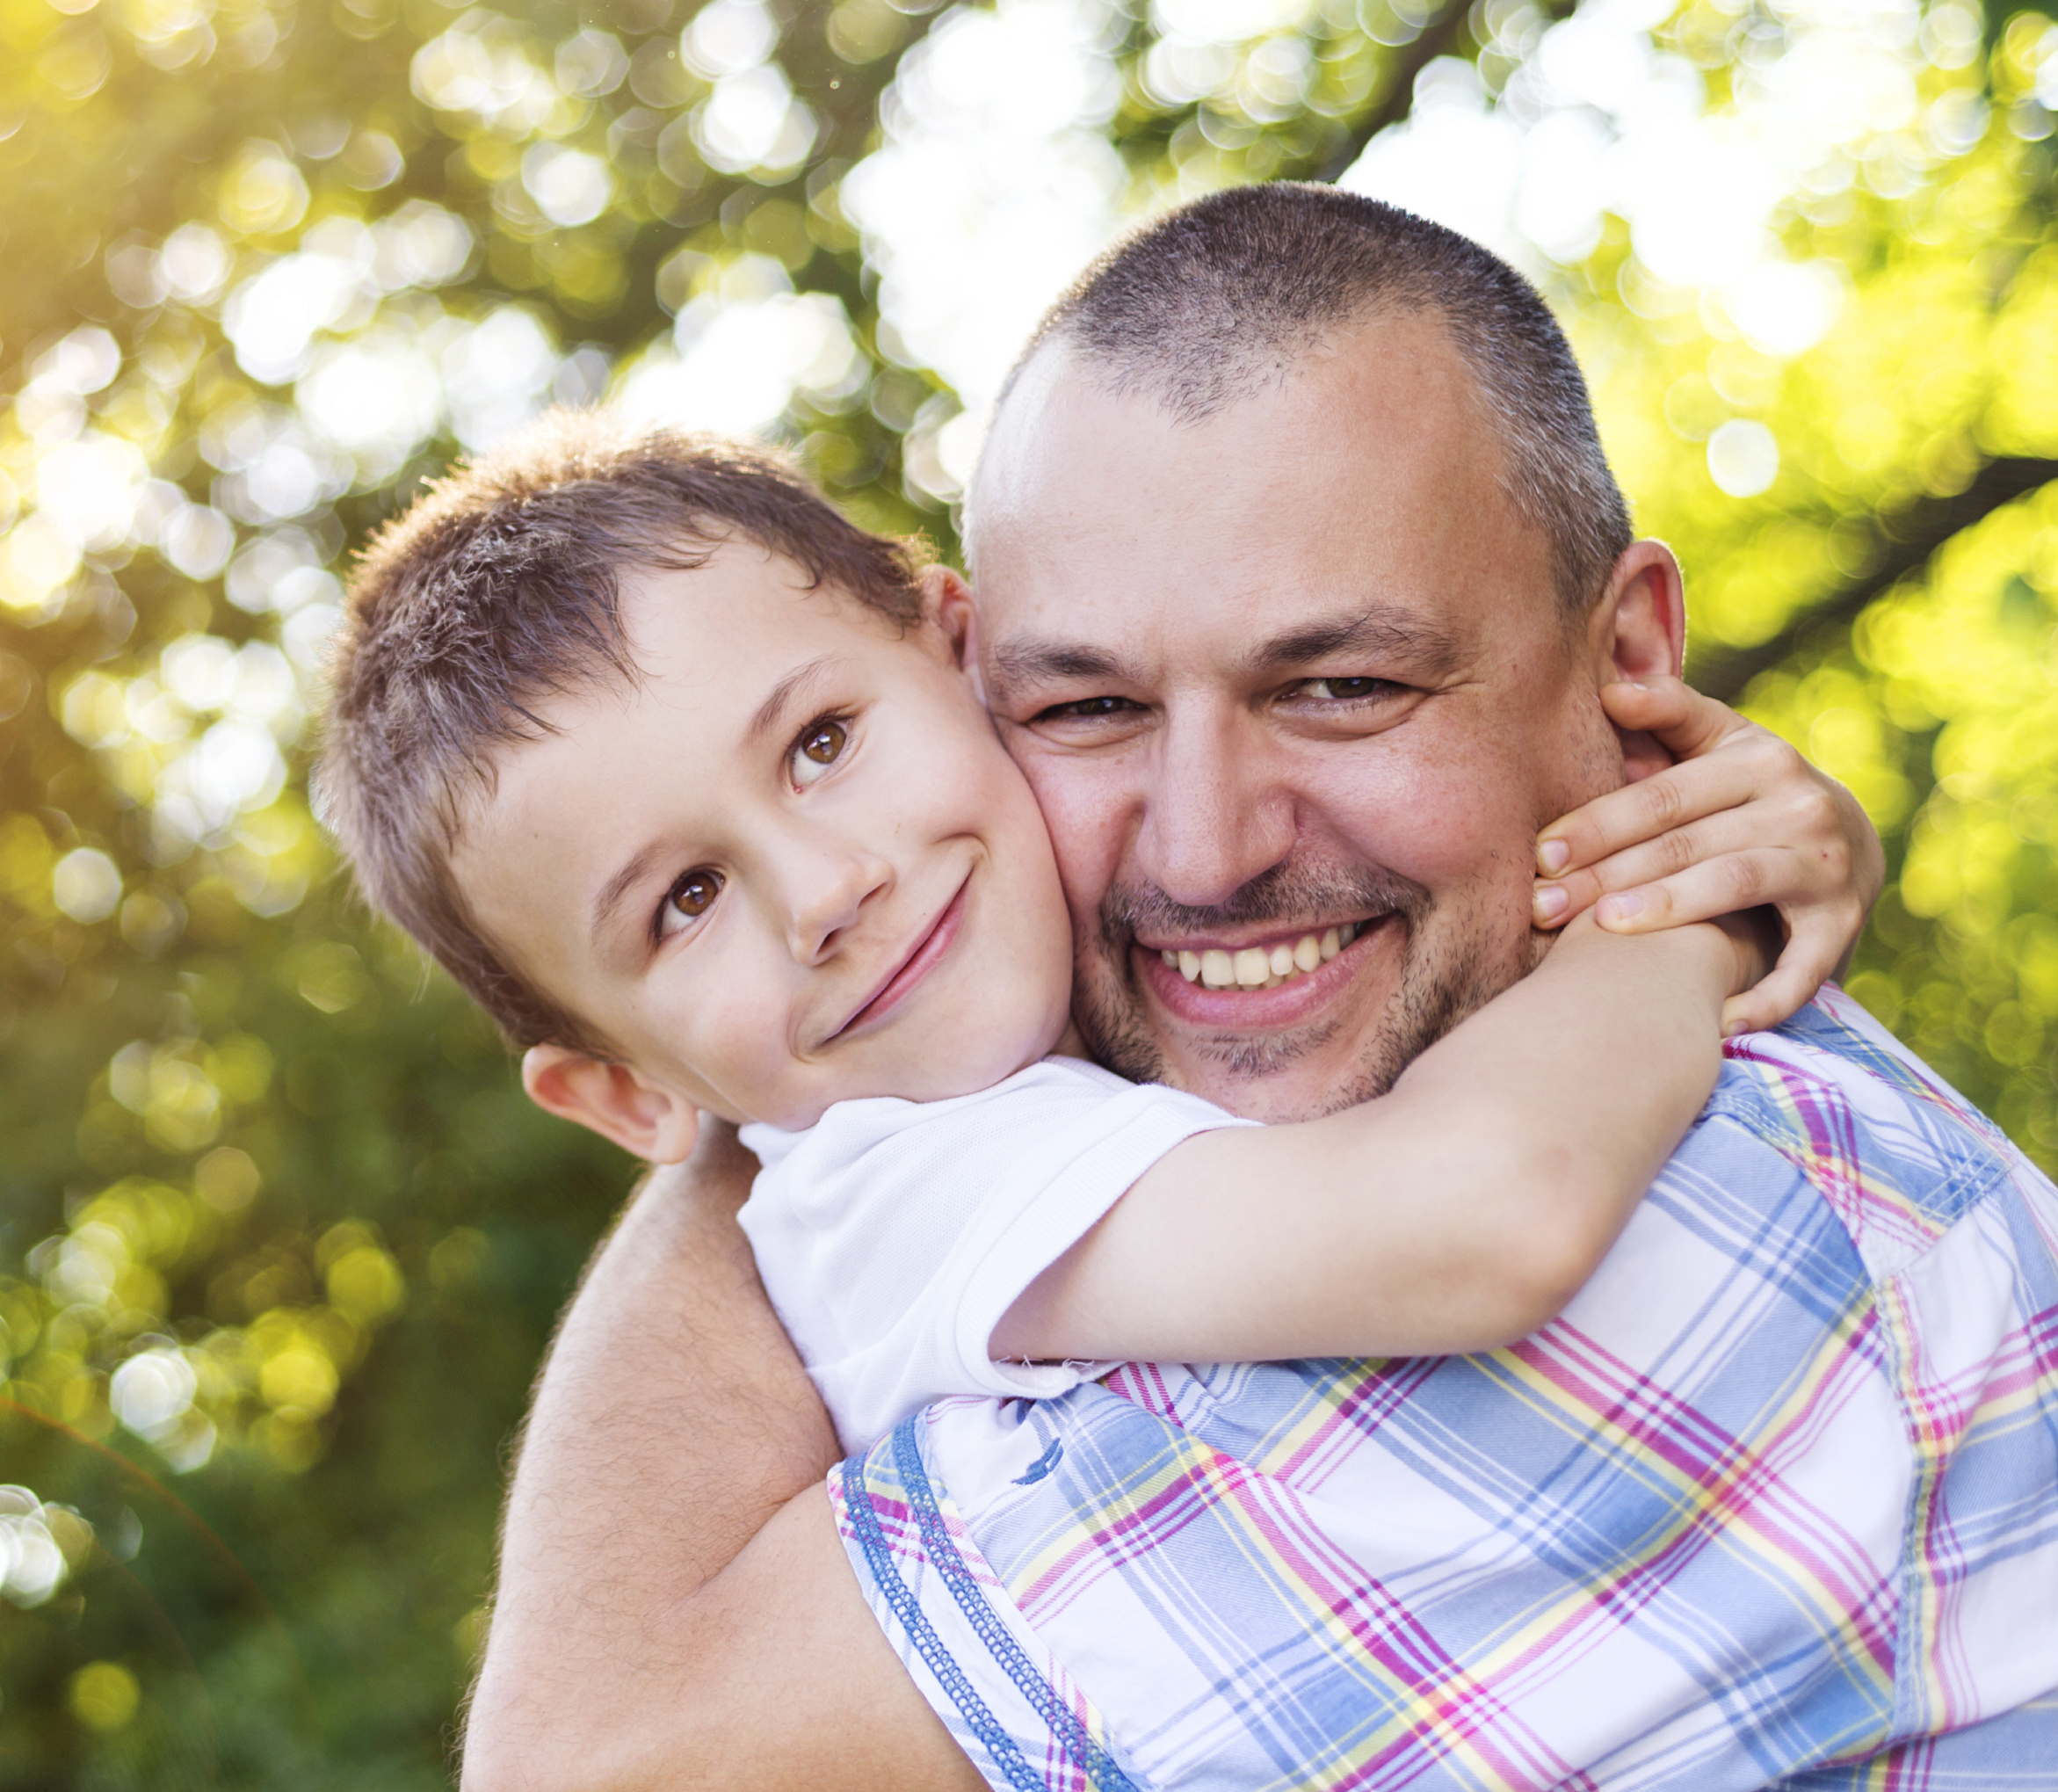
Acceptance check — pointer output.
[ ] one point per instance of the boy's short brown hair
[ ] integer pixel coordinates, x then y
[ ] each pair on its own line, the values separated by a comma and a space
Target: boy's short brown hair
498, 589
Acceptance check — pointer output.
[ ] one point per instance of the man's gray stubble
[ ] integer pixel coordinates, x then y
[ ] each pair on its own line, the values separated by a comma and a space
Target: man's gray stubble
1437, 988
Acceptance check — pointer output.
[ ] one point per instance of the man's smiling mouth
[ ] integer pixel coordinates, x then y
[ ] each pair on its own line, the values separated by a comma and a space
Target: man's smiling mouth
1263, 964
1368, 953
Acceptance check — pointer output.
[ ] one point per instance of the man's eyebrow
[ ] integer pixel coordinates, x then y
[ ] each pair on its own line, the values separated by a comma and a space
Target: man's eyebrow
784, 695
1383, 629
1033, 662
1387, 628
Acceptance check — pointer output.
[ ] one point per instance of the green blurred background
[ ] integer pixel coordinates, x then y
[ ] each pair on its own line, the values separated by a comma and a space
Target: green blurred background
281, 1242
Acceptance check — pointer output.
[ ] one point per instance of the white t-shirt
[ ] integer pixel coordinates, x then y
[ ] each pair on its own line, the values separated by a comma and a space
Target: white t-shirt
893, 1235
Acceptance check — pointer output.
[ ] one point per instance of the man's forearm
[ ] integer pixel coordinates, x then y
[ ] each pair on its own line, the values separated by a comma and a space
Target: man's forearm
672, 1421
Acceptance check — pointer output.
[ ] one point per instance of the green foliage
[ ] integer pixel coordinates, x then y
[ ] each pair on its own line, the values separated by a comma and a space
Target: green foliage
1937, 700
362, 1277
281, 1242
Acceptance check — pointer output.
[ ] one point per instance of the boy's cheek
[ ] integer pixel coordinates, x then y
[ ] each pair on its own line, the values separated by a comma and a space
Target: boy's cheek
731, 1085
725, 1100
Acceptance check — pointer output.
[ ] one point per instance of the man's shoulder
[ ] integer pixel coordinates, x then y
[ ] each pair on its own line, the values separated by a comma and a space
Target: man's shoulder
1896, 1153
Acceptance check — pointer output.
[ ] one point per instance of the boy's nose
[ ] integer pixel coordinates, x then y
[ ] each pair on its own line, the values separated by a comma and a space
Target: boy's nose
827, 889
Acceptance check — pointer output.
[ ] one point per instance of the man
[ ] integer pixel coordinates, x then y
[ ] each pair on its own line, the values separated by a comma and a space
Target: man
1299, 571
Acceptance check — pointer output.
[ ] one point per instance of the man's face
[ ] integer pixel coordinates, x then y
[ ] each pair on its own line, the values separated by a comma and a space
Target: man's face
1296, 667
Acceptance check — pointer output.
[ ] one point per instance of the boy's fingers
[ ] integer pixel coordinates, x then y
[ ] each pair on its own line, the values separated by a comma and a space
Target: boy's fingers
1725, 885
1560, 898
1750, 1012
1816, 942
1808, 962
1687, 722
1797, 835
1782, 995
1649, 704
1643, 811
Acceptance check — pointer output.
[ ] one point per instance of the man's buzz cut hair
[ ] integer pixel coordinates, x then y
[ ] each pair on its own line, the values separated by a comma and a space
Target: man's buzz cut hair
1205, 307
499, 589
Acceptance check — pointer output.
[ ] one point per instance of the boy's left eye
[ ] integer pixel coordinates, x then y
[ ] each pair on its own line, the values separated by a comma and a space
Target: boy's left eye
687, 900
820, 746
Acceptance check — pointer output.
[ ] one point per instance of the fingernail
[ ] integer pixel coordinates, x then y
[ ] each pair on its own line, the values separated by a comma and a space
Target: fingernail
1549, 901
1620, 908
1551, 857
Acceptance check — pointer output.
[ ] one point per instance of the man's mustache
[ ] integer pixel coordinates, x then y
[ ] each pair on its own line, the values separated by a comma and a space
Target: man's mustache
1289, 893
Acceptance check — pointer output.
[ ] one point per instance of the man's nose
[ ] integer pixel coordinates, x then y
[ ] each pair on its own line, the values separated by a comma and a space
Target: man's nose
825, 884
1217, 812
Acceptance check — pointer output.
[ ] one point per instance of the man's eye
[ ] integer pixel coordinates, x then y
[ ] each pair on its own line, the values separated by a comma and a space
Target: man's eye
687, 900
820, 746
1088, 706
1348, 689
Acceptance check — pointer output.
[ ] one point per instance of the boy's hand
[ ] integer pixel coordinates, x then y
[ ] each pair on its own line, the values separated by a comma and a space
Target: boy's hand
1742, 820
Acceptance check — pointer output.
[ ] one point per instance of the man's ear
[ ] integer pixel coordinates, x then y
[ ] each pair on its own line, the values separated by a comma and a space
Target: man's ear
614, 1100
1640, 625
1638, 630
947, 600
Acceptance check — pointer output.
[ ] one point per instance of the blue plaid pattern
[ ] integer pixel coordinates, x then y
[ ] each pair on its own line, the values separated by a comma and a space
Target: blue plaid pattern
1775, 1500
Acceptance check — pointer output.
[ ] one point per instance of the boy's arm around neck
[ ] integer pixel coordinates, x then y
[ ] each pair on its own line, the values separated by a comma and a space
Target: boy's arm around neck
1459, 1213
675, 1608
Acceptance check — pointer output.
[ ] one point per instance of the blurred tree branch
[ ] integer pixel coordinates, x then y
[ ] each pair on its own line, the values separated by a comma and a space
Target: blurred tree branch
1905, 541
1397, 97
1446, 37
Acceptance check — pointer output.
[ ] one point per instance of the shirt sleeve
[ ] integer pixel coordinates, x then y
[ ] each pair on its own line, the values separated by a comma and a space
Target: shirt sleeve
893, 1236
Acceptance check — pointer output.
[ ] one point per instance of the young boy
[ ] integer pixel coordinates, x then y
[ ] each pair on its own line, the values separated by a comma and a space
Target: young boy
687, 781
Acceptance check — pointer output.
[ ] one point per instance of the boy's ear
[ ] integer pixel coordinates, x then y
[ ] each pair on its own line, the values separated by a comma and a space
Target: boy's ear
613, 1100
947, 600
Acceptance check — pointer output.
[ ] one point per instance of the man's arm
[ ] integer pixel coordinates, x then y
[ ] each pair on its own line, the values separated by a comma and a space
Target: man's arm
675, 1607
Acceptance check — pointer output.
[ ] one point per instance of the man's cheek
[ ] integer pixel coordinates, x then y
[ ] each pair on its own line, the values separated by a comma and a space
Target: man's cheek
1429, 819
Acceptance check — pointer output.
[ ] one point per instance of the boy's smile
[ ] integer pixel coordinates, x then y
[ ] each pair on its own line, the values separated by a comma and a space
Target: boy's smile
928, 950
788, 864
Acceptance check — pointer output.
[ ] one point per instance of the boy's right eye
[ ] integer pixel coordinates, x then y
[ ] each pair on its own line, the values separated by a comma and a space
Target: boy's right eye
687, 900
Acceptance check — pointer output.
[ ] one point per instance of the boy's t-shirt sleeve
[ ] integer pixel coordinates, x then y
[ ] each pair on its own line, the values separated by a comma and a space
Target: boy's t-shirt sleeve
893, 1236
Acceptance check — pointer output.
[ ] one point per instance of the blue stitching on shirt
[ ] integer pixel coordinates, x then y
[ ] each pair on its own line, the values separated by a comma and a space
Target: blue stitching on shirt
1037, 1691
942, 1663
1042, 1465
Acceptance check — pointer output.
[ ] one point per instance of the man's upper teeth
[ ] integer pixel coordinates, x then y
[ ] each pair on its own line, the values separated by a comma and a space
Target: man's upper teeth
1259, 967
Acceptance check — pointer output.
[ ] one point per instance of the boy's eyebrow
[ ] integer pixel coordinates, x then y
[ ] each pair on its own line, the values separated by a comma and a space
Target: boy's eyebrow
608, 898
783, 695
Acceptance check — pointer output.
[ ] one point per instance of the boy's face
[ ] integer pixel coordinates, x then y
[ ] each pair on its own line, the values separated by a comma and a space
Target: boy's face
791, 864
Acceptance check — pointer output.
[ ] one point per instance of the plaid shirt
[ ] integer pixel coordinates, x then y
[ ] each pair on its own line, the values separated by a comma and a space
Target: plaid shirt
1778, 1491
